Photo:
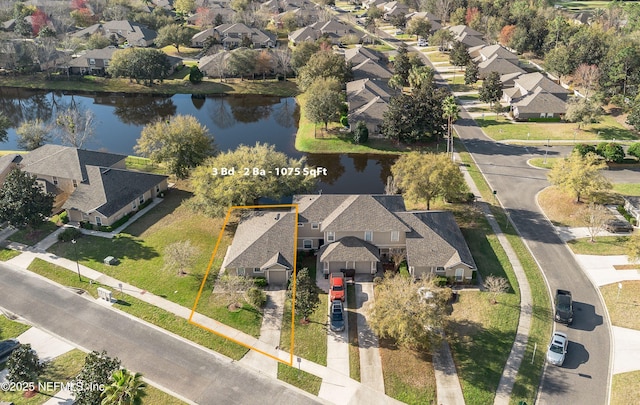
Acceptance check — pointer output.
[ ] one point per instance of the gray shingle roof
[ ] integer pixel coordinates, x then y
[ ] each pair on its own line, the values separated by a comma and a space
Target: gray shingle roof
359, 54
540, 101
363, 213
316, 207
261, 240
109, 190
530, 81
370, 69
435, 240
497, 64
361, 92
7, 161
349, 248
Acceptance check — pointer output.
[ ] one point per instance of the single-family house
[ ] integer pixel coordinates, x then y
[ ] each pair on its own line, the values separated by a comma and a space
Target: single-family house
370, 69
367, 101
433, 20
232, 36
527, 83
508, 79
94, 62
538, 104
469, 37
358, 232
632, 205
497, 64
372, 3
484, 52
205, 16
94, 186
7, 163
359, 54
392, 9
129, 32
333, 30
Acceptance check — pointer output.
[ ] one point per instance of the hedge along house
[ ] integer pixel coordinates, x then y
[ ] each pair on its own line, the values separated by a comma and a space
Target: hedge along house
91, 186
358, 232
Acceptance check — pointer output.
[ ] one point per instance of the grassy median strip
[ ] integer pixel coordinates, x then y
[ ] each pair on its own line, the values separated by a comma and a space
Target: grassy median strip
10, 329
8, 254
143, 310
531, 369
352, 320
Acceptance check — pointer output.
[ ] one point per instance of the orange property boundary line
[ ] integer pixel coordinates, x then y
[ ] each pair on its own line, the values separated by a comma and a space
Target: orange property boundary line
293, 299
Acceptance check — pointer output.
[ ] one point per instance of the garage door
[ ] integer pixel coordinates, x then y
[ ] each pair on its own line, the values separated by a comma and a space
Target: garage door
363, 267
277, 277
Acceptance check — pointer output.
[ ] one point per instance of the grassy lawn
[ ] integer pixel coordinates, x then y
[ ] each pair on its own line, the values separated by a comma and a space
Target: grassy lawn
10, 329
625, 388
627, 188
561, 208
438, 57
501, 128
456, 83
472, 97
143, 165
352, 320
32, 236
169, 86
142, 310
140, 252
408, 375
543, 163
7, 254
603, 246
299, 378
623, 304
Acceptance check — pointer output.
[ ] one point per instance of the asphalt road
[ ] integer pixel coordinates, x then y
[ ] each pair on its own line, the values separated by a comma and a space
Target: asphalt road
584, 377
181, 367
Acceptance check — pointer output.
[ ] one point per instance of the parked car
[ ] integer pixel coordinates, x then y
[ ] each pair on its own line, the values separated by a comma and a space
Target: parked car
336, 287
617, 225
7, 347
564, 307
399, 32
557, 348
336, 316
423, 42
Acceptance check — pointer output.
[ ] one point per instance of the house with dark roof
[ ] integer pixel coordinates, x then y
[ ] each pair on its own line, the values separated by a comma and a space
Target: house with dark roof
484, 52
367, 101
358, 232
370, 69
538, 104
469, 37
393, 8
433, 20
359, 54
333, 30
232, 36
94, 61
92, 186
497, 64
527, 83
132, 33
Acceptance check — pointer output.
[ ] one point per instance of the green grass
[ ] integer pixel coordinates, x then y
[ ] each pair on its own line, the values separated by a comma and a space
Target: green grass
32, 236
8, 254
298, 378
352, 320
501, 128
408, 375
140, 252
622, 304
632, 189
10, 329
544, 163
143, 165
625, 388
438, 57
142, 310
603, 246
473, 97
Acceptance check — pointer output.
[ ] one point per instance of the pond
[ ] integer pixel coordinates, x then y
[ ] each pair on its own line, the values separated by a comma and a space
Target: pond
232, 120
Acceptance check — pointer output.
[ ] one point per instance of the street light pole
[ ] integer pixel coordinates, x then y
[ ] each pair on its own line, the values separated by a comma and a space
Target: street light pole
75, 249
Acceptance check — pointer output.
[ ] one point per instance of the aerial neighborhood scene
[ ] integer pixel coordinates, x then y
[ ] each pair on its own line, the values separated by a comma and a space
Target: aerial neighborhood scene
319, 202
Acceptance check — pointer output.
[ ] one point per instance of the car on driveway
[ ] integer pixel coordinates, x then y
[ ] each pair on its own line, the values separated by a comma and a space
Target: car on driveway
557, 348
336, 287
7, 347
617, 225
336, 316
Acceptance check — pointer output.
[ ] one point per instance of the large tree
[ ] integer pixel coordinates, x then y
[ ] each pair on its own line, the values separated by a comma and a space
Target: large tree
583, 111
96, 371
594, 217
633, 247
175, 35
409, 312
302, 53
402, 64
451, 112
140, 64
427, 176
419, 26
24, 366
215, 190
75, 125
471, 73
181, 143
459, 55
324, 99
125, 388
307, 299
633, 118
322, 64
442, 39
491, 90
242, 62
579, 175
32, 134
23, 203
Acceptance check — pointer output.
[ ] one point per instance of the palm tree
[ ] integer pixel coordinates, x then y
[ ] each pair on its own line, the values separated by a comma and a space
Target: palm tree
451, 112
126, 389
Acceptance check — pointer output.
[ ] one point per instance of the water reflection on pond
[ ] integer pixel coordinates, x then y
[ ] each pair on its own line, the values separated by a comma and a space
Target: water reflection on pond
232, 120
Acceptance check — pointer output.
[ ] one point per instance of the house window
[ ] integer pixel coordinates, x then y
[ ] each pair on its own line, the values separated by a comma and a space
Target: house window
331, 236
240, 271
75, 183
258, 270
55, 180
307, 244
141, 200
134, 205
98, 221
395, 236
325, 266
368, 236
374, 268
459, 274
157, 189
106, 63
439, 269
92, 61
315, 225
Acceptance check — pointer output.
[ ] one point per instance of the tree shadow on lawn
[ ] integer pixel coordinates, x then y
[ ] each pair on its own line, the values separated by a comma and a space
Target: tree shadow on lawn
610, 133
171, 201
97, 248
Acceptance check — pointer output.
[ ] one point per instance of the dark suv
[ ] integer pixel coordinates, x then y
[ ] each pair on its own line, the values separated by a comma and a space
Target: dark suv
7, 347
617, 225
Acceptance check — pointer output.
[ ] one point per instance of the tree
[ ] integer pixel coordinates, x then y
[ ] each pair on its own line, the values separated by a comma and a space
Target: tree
451, 112
24, 366
307, 299
184, 7
302, 53
399, 21
506, 34
175, 35
442, 38
215, 192
32, 134
459, 55
420, 76
634, 149
583, 112
633, 247
96, 371
324, 64
180, 255
231, 290
471, 73
419, 26
361, 133
391, 188
180, 143
491, 90
98, 41
5, 124
282, 61
140, 64
242, 62
557, 61
587, 76
402, 64
583, 149
426, 176
579, 175
264, 63
324, 99
195, 74
125, 389
75, 125
633, 118
409, 312
495, 285
610, 151
23, 203
594, 217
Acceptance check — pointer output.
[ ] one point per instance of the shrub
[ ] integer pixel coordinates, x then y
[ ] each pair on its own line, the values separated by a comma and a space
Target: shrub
610, 151
361, 133
440, 281
195, 75
344, 121
69, 234
86, 225
634, 150
64, 217
583, 149
256, 297
260, 281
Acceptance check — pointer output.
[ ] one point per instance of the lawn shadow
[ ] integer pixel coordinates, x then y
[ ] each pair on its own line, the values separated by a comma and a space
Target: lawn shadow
172, 201
611, 132
122, 302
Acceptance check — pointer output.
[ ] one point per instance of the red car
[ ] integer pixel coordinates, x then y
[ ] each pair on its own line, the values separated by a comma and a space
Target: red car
336, 287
